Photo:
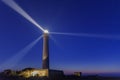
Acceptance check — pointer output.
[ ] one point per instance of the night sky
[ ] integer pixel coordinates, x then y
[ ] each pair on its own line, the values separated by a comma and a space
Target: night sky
70, 53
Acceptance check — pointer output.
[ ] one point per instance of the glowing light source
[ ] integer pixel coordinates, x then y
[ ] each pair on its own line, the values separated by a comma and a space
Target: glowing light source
46, 31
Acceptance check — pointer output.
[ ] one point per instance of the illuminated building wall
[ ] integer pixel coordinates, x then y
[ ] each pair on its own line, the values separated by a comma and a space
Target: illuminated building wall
77, 73
35, 72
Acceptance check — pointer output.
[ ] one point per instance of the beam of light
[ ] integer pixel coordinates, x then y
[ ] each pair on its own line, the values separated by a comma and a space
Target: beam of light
18, 9
117, 37
11, 63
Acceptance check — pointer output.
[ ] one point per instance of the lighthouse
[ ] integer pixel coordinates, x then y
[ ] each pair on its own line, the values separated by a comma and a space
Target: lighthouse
45, 55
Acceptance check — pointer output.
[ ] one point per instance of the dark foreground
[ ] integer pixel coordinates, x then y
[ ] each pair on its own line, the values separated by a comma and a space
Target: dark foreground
5, 77
13, 75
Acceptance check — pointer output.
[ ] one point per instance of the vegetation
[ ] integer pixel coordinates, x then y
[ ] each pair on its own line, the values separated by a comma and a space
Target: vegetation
14, 75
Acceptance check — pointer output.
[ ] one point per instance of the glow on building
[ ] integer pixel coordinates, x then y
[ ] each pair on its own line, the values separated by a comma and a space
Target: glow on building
34, 73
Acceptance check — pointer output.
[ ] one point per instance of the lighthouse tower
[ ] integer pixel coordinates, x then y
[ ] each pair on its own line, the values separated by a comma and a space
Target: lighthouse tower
45, 56
45, 71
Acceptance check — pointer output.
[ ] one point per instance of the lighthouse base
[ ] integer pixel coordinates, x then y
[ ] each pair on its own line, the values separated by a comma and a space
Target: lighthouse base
48, 73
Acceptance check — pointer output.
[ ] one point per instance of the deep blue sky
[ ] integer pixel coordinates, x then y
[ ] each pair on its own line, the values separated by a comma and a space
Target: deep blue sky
71, 53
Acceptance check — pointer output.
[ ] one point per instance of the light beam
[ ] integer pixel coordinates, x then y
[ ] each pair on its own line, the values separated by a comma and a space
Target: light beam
10, 63
117, 37
19, 10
